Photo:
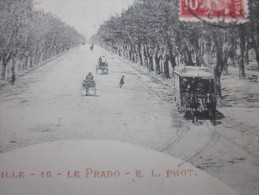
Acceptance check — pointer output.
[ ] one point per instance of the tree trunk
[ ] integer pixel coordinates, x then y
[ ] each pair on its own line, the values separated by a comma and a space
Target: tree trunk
161, 65
150, 59
140, 55
199, 56
157, 60
189, 61
3, 71
219, 65
130, 53
225, 70
31, 61
151, 64
253, 4
217, 83
146, 56
247, 49
13, 66
173, 62
166, 67
6, 59
256, 48
242, 53
171, 55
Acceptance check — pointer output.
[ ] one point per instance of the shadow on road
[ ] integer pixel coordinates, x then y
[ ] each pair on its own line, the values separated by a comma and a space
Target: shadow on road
204, 116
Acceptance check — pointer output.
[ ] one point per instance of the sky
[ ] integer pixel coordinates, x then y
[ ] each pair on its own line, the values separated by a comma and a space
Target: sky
85, 15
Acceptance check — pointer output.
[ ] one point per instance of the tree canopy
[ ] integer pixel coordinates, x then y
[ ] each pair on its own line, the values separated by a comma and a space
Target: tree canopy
150, 30
28, 37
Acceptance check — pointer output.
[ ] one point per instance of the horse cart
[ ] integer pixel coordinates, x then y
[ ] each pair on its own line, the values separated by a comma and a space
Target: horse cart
194, 92
103, 66
88, 85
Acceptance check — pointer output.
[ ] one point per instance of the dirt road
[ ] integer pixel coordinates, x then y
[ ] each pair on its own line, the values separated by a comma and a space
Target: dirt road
47, 105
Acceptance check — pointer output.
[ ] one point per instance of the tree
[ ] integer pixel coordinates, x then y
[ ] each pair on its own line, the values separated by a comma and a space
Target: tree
152, 28
30, 37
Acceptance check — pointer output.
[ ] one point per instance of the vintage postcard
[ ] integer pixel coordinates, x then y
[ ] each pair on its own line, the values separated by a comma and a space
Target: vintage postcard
129, 97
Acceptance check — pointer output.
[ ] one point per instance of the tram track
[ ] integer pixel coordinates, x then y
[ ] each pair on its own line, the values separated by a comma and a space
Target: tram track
213, 137
228, 139
176, 139
212, 141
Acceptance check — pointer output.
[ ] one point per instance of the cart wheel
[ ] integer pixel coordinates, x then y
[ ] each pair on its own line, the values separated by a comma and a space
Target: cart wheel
86, 92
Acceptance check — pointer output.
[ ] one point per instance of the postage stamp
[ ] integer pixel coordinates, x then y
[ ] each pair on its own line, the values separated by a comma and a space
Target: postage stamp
214, 10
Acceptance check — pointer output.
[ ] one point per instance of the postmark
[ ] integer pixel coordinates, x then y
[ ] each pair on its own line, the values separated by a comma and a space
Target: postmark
214, 11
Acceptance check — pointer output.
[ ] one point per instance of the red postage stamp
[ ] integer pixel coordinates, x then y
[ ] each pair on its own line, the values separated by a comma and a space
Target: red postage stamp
214, 10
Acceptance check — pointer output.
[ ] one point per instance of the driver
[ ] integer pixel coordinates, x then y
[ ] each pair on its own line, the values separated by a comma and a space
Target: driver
100, 61
104, 60
89, 77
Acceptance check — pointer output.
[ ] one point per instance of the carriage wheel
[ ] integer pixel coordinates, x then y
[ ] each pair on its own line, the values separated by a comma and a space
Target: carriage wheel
86, 91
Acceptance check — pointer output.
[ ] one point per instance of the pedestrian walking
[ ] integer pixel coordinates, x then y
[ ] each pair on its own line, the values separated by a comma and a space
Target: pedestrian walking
13, 79
122, 82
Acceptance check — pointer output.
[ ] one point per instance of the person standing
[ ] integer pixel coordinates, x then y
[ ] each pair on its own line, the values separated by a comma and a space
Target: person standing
104, 60
13, 79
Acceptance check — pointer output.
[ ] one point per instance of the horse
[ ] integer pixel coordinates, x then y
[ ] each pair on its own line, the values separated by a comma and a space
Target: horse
194, 105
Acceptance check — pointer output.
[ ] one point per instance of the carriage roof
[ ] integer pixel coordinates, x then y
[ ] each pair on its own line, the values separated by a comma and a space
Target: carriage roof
191, 71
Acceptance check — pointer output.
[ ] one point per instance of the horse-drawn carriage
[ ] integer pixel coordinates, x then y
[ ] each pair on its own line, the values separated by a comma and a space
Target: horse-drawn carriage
89, 85
194, 91
102, 65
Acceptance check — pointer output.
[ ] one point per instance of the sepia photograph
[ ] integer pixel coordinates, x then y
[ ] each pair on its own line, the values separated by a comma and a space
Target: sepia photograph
129, 97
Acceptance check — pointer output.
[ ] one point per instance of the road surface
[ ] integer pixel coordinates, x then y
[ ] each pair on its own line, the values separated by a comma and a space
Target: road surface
47, 105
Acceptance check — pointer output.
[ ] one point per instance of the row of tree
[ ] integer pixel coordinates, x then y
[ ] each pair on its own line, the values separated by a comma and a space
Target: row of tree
29, 37
150, 33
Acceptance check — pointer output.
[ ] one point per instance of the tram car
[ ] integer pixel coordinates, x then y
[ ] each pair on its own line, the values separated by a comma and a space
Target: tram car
195, 91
